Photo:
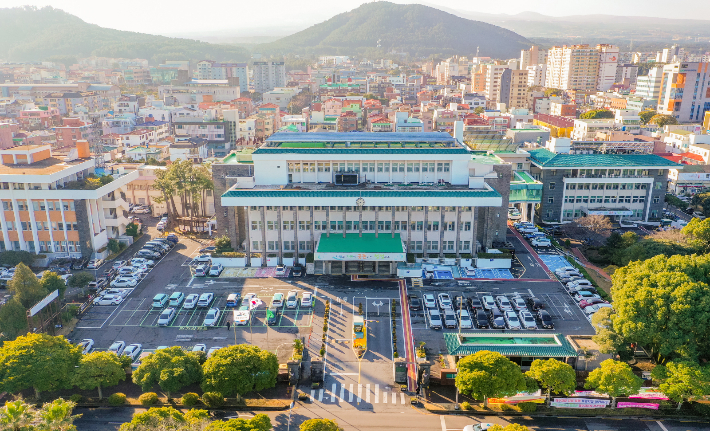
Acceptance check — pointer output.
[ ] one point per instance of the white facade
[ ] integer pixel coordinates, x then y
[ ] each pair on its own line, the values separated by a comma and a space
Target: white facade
608, 62
268, 75
493, 81
649, 86
685, 91
536, 75
586, 130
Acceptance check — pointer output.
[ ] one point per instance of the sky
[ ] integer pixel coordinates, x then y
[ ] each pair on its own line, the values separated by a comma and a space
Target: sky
190, 16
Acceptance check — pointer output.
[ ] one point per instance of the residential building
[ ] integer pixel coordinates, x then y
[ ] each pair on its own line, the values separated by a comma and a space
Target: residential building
47, 207
649, 86
586, 130
514, 88
268, 75
685, 91
458, 200
628, 186
202, 90
559, 127
532, 57
194, 149
563, 109
693, 178
608, 63
572, 67
537, 74
207, 69
138, 138
627, 75
39, 118
211, 131
493, 81
73, 130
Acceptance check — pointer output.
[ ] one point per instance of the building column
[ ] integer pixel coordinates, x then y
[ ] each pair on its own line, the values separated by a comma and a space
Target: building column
33, 226
278, 223
64, 224
458, 227
327, 221
248, 245
3, 227
313, 235
18, 226
441, 232
359, 223
263, 235
392, 225
345, 212
295, 232
377, 222
409, 230
425, 250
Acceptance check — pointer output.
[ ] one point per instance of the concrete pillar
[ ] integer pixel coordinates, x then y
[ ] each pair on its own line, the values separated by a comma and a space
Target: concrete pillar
248, 247
409, 230
359, 220
278, 229
295, 233
458, 233
327, 221
442, 211
426, 235
377, 222
392, 225
263, 235
313, 235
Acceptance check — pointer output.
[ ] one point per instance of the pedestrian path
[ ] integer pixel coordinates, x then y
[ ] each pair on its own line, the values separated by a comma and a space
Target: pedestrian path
354, 393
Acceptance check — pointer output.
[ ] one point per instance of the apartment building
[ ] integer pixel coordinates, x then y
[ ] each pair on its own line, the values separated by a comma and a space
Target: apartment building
572, 67
649, 86
207, 69
685, 91
268, 75
532, 57
361, 204
537, 74
608, 63
494, 73
628, 186
514, 88
586, 130
50, 205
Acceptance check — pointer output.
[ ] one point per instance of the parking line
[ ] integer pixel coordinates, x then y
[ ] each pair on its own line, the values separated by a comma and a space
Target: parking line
394, 397
367, 393
313, 393
359, 392
332, 393
341, 398
377, 394
320, 395
350, 394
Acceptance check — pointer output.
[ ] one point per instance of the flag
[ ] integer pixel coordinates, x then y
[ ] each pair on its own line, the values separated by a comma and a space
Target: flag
254, 303
269, 314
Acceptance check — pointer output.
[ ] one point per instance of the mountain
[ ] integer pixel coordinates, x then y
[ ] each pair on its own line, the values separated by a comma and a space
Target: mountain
32, 34
415, 29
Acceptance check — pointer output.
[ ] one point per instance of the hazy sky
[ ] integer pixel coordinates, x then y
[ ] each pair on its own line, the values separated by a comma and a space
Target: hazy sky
178, 16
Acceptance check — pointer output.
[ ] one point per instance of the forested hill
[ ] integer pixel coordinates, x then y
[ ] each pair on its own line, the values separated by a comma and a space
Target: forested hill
415, 29
32, 34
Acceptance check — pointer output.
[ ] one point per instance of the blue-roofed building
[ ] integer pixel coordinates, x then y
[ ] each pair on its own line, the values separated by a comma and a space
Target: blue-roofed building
425, 189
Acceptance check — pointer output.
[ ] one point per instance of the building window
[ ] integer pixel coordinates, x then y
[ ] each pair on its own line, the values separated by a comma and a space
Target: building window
273, 245
432, 245
288, 225
271, 225
552, 186
464, 245
550, 200
7, 205
304, 245
256, 245
656, 199
255, 225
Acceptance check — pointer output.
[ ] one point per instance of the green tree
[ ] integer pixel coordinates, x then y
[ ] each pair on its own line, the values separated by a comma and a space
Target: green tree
260, 422
663, 304
38, 361
609, 342
132, 229
13, 319
682, 380
113, 245
663, 120
553, 375
223, 244
647, 115
57, 416
25, 286
597, 114
239, 369
553, 92
172, 369
479, 110
675, 201
615, 379
319, 425
16, 415
167, 418
80, 279
488, 374
51, 281
699, 229
13, 258
99, 370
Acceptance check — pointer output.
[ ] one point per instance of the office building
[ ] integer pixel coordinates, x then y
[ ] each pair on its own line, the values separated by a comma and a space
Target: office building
532, 57
685, 91
207, 69
493, 81
608, 63
649, 86
514, 88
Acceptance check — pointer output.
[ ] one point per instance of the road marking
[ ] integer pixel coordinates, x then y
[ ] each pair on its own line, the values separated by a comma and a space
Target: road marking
394, 397
367, 393
662, 426
342, 394
343, 374
384, 397
443, 423
377, 394
402, 396
320, 395
332, 393
359, 393
313, 394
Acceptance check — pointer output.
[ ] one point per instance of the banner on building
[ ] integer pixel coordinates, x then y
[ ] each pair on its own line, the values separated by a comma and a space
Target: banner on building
594, 394
579, 403
520, 397
650, 394
652, 406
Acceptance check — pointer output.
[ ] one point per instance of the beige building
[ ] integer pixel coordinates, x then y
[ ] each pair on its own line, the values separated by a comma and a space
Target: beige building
493, 81
572, 67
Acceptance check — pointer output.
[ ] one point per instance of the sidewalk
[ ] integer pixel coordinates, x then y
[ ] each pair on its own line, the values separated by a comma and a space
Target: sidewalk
583, 260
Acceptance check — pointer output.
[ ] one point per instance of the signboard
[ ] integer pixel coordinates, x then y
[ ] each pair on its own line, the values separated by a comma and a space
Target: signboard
520, 397
589, 394
611, 212
652, 406
650, 394
579, 403
396, 257
43, 303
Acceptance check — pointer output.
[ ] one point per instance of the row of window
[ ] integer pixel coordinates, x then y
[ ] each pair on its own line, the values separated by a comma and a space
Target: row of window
568, 214
44, 246
398, 209
39, 205
369, 166
602, 186
382, 225
40, 225
307, 245
606, 199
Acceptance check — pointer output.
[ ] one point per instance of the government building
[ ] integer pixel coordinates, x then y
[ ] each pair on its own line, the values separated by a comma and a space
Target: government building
360, 202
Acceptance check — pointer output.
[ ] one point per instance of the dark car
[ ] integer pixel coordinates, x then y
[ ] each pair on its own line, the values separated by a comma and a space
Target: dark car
460, 303
272, 315
109, 273
535, 303
475, 303
496, 318
545, 319
297, 270
689, 210
414, 302
481, 319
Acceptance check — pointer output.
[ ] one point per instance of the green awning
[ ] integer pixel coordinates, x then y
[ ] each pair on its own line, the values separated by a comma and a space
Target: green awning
355, 247
521, 344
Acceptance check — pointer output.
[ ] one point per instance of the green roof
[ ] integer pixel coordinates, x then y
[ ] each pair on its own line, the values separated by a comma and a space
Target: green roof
350, 150
303, 145
507, 344
358, 193
547, 159
353, 243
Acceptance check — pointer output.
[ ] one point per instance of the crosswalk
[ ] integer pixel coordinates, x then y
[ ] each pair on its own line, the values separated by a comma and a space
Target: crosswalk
357, 393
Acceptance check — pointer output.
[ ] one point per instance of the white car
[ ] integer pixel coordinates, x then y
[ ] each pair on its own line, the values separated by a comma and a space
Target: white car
246, 300
306, 299
199, 348
541, 242
465, 321
292, 299
118, 264
212, 317
191, 301
166, 316
488, 302
511, 319
503, 303
519, 303
86, 345
478, 427
434, 318
528, 320
203, 258
216, 270
108, 300
565, 269
241, 317
583, 294
94, 264
139, 261
205, 299
119, 292
140, 210
124, 282
212, 350
117, 347
429, 300
445, 301
133, 351
280, 270
277, 300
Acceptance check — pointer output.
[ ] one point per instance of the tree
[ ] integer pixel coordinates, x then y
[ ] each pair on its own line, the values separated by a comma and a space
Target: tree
13, 319
553, 92
51, 281
132, 229
553, 375
663, 120
26, 287
675, 201
114, 245
663, 304
646, 115
260, 422
16, 415
99, 370
80, 279
488, 374
682, 380
239, 369
699, 229
172, 368
593, 225
37, 361
479, 110
167, 418
320, 425
597, 114
52, 416
13, 258
609, 342
615, 379
223, 244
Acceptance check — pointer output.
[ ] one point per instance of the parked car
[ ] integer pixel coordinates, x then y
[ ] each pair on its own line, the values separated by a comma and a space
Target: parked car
205, 299
445, 301
519, 303
511, 319
292, 299
465, 321
212, 350
298, 270
587, 302
191, 301
132, 351
277, 300
246, 301
212, 317
199, 348
208, 250
108, 300
478, 427
138, 209
166, 316
138, 261
528, 320
449, 318
545, 319
201, 271
541, 242
584, 294
117, 264
280, 270
176, 299
234, 299
434, 318
87, 344
216, 270
173, 238
203, 258
117, 347
272, 315
429, 300
414, 302
503, 303
460, 302
579, 283
94, 264
306, 299
488, 302
481, 319
160, 300
475, 303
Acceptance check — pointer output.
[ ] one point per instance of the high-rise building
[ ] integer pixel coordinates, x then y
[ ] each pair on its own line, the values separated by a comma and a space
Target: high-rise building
207, 69
493, 81
608, 62
269, 75
670, 54
514, 88
532, 56
572, 67
536, 75
478, 78
685, 91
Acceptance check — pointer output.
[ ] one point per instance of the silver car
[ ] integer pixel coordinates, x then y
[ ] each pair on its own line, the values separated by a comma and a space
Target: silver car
166, 316
503, 303
511, 319
528, 320
465, 321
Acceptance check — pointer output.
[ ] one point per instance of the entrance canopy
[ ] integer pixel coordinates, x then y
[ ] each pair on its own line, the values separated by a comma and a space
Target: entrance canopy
364, 248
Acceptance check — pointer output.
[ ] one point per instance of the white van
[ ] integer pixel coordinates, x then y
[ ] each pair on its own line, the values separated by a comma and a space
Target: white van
201, 271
